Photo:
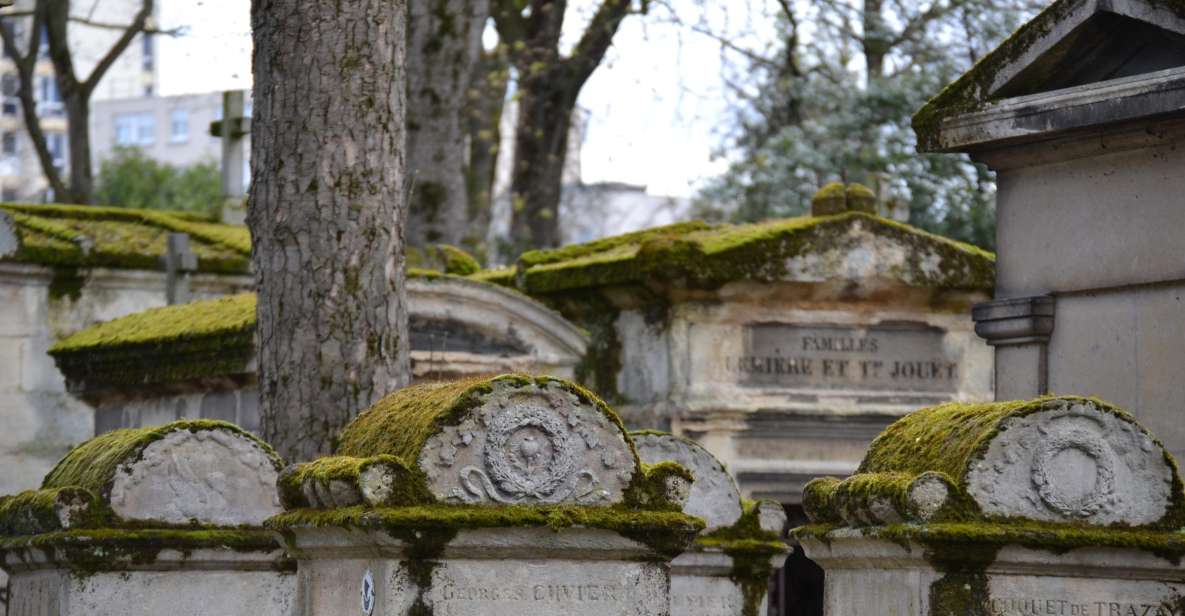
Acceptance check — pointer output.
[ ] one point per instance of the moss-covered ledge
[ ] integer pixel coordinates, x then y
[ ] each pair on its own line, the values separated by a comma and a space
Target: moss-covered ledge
700, 255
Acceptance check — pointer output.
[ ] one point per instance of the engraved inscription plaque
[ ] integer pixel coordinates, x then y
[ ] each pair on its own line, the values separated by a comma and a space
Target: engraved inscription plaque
888, 357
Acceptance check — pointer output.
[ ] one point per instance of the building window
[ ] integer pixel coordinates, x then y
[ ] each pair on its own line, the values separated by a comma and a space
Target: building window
49, 99
56, 143
8, 143
135, 129
8, 194
179, 126
9, 103
147, 52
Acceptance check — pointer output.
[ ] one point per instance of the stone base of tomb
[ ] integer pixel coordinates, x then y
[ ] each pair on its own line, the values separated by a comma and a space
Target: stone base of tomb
100, 573
916, 576
708, 582
492, 572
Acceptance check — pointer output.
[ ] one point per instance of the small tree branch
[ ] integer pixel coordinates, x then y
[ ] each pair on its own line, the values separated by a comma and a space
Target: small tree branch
597, 38
508, 19
25, 65
137, 26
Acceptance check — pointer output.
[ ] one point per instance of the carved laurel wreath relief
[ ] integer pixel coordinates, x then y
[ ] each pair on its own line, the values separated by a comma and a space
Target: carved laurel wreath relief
530, 454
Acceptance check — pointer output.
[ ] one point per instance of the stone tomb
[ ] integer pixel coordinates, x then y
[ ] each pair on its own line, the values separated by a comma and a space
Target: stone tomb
726, 572
1081, 115
147, 522
198, 360
1059, 506
783, 347
511, 496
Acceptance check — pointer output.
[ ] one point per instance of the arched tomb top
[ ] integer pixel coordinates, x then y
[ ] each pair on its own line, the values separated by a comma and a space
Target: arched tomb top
205, 472
512, 439
714, 495
1052, 459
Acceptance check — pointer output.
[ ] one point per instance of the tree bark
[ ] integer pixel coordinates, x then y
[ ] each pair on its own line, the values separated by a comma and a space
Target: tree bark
326, 214
487, 101
444, 41
549, 85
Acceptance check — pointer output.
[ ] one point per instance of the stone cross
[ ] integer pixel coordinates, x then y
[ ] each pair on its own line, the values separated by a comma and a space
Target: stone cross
179, 262
233, 128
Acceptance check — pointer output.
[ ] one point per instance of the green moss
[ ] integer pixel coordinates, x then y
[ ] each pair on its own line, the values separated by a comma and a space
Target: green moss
75, 236
753, 552
34, 512
860, 198
951, 438
535, 258
830, 200
668, 533
649, 489
458, 262
66, 284
90, 551
501, 276
93, 464
226, 317
858, 499
400, 423
410, 484
718, 255
818, 500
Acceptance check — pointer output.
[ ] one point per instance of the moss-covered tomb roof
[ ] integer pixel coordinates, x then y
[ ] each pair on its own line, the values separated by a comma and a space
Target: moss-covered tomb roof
95, 236
976, 88
703, 255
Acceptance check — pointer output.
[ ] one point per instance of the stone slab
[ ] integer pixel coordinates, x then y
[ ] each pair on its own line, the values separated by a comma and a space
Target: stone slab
870, 577
492, 572
153, 593
877, 358
211, 476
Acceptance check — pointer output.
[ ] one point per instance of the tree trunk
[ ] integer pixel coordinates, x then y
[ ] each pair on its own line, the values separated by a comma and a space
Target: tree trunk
540, 147
326, 214
78, 139
444, 40
876, 40
487, 101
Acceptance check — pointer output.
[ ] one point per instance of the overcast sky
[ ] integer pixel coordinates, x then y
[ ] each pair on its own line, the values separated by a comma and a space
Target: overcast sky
657, 105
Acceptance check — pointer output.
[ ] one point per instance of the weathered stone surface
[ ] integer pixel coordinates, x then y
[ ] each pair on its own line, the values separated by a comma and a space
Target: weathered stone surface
1074, 463
532, 445
208, 476
497, 572
241, 584
714, 495
8, 239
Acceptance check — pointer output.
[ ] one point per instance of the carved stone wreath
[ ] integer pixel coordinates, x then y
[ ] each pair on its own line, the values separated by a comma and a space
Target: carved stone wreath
529, 455
1087, 505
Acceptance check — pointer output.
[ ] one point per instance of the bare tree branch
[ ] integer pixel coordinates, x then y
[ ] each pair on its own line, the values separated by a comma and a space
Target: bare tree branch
119, 47
597, 38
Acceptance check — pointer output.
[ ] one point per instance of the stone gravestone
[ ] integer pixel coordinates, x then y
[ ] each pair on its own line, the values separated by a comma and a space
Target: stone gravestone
147, 522
510, 496
1059, 506
726, 572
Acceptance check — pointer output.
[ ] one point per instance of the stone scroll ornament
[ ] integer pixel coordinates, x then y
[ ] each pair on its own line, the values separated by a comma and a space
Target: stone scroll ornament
1054, 460
508, 441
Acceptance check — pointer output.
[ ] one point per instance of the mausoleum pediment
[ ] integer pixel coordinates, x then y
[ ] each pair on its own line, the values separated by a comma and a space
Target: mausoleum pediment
1079, 63
850, 247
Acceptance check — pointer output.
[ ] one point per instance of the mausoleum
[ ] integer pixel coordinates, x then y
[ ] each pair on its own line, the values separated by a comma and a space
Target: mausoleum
1081, 114
782, 347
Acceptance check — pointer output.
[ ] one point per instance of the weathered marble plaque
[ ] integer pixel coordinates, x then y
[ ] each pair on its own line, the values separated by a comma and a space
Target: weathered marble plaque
904, 357
706, 596
1044, 596
522, 588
